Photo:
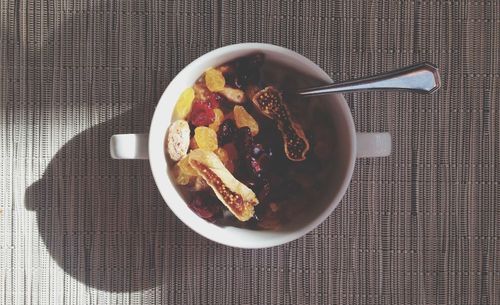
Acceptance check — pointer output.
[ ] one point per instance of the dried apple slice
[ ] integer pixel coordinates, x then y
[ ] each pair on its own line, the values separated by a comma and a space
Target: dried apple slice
236, 196
233, 95
270, 103
178, 140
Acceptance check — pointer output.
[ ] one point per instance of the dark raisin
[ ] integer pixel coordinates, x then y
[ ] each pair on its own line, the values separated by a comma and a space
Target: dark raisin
206, 206
248, 70
257, 150
226, 131
215, 100
264, 190
244, 141
260, 211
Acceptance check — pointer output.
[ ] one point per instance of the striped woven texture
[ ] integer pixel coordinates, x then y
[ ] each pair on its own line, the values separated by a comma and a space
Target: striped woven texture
419, 227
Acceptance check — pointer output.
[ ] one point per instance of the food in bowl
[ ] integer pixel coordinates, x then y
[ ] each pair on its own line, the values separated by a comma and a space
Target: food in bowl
242, 152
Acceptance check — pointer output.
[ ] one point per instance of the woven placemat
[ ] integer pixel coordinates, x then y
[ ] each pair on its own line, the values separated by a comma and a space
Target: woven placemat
419, 227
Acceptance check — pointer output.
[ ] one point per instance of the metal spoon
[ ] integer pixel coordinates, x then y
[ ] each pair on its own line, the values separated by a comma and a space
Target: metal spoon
421, 78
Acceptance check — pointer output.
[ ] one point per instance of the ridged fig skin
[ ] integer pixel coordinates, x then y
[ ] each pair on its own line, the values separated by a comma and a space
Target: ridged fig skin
236, 196
270, 103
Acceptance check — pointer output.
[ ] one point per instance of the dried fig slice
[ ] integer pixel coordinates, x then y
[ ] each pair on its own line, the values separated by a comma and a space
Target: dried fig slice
236, 196
270, 103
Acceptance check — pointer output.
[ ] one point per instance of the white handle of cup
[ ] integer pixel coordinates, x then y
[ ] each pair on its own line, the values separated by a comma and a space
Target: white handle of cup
373, 144
129, 146
135, 146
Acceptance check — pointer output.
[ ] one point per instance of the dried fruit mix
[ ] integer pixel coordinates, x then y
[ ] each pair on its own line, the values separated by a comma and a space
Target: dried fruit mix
227, 154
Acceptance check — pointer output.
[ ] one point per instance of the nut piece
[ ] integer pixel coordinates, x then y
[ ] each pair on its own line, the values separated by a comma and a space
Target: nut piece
236, 196
236, 96
178, 140
270, 103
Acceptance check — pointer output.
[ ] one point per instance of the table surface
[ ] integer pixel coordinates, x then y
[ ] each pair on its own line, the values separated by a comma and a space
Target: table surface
418, 227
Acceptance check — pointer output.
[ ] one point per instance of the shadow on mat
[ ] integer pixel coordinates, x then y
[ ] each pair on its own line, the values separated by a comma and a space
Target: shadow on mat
102, 220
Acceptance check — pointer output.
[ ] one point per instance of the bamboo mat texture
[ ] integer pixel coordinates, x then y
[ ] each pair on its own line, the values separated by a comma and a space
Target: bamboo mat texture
419, 227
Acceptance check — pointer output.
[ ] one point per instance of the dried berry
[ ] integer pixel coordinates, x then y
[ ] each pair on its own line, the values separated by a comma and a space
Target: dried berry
185, 167
244, 119
226, 131
214, 100
206, 138
206, 206
183, 105
202, 114
243, 141
257, 150
264, 189
248, 70
214, 80
181, 178
232, 153
270, 103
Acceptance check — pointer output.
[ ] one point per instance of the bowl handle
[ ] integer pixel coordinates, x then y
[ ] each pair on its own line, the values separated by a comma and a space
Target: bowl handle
373, 144
129, 146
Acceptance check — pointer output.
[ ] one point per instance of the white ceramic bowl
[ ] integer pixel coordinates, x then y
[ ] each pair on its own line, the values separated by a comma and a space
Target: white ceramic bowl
122, 146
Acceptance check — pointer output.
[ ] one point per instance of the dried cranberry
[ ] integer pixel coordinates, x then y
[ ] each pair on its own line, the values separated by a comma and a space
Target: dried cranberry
206, 206
202, 114
226, 132
256, 168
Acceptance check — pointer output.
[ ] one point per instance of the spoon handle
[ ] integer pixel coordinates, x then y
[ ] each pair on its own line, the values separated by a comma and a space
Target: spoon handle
421, 78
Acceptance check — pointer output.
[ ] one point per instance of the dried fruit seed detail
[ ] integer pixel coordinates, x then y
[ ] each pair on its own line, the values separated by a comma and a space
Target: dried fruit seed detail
178, 139
206, 138
244, 119
270, 103
237, 197
183, 106
214, 79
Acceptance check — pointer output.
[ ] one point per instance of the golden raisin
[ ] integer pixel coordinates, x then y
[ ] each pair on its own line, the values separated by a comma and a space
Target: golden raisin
244, 119
181, 178
206, 138
185, 167
219, 117
214, 80
183, 106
